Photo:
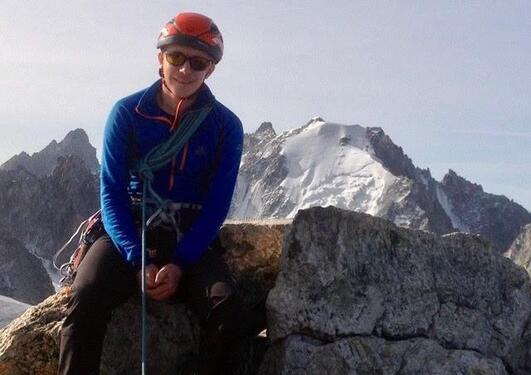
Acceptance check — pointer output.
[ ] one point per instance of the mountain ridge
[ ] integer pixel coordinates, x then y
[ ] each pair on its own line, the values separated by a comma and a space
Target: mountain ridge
42, 163
309, 166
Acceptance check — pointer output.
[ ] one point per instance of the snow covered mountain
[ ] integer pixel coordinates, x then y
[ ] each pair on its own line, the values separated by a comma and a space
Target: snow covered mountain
361, 169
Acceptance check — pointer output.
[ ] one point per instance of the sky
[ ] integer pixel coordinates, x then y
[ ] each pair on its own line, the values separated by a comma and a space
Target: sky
448, 81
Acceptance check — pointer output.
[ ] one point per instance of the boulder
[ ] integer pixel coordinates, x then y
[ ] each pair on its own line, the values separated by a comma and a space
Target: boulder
302, 355
253, 255
30, 344
372, 298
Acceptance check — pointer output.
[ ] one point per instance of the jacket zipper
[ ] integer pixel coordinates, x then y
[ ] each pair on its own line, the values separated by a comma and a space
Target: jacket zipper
173, 125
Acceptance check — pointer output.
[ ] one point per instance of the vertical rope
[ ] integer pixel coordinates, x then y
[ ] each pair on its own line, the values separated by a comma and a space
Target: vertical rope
143, 287
152, 161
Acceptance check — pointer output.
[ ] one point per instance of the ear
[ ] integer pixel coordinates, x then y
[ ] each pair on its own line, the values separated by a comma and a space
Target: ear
161, 57
210, 70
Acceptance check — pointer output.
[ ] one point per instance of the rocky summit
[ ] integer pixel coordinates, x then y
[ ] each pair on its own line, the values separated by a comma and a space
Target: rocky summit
358, 295
352, 294
30, 344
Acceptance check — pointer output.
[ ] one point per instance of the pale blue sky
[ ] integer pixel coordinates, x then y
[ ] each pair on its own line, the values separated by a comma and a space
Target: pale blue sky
449, 81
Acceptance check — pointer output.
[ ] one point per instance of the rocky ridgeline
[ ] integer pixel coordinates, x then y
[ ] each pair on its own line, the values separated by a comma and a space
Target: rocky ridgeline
43, 211
43, 163
354, 294
495, 217
415, 200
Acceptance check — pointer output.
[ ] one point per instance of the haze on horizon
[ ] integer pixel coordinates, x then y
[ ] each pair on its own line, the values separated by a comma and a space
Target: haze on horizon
450, 82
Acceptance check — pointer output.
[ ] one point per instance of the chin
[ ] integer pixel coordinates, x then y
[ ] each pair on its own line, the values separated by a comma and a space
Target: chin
185, 90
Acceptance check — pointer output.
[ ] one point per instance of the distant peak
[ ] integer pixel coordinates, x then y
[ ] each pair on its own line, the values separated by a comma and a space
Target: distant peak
77, 135
451, 174
453, 179
265, 128
375, 131
314, 120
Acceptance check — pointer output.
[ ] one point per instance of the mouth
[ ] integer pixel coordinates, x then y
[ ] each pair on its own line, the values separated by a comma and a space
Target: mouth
183, 81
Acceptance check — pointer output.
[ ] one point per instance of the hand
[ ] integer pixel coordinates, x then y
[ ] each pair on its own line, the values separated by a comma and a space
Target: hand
161, 284
166, 281
151, 273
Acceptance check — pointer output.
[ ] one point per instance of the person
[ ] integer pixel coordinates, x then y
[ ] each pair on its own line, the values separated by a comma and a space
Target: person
195, 188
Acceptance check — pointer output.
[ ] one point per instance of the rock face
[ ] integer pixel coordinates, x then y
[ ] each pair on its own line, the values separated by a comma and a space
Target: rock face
520, 250
254, 256
495, 217
22, 276
43, 163
29, 345
42, 212
359, 295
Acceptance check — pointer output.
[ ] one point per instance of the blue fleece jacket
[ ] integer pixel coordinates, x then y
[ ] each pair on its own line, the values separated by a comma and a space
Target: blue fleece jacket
204, 173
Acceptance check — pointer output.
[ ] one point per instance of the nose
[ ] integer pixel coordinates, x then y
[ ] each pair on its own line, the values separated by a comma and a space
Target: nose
184, 68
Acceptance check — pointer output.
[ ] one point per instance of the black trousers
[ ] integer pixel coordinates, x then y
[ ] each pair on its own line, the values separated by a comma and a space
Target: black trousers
104, 281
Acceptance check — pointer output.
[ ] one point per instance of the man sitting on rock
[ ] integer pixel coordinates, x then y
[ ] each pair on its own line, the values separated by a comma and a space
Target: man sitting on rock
186, 201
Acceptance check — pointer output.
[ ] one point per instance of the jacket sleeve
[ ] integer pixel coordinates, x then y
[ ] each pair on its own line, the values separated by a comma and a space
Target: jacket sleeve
216, 206
114, 179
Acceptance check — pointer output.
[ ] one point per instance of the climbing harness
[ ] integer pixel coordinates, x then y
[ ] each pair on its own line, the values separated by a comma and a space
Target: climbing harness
90, 229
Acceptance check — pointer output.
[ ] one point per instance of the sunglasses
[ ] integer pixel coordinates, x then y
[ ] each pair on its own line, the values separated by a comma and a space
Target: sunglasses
197, 63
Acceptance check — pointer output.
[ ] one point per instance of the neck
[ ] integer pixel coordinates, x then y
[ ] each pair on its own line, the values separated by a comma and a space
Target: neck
168, 102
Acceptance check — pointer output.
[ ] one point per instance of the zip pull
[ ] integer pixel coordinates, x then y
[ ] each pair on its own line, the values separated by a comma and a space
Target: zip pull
174, 126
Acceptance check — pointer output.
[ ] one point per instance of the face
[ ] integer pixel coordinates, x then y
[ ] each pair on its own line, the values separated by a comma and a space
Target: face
182, 80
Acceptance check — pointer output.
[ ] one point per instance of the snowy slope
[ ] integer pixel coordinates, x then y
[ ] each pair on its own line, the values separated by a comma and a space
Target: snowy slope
320, 164
345, 173
10, 309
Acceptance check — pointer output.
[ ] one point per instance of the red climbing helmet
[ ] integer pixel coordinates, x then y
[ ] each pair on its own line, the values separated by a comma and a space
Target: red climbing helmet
193, 30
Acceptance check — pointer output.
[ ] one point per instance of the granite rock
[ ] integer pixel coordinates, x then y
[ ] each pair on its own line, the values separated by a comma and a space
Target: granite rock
30, 344
347, 275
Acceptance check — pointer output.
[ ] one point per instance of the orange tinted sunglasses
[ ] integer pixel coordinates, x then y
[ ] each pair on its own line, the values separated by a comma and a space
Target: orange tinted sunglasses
197, 63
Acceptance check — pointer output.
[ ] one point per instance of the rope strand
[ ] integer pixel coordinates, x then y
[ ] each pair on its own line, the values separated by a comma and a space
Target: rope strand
154, 160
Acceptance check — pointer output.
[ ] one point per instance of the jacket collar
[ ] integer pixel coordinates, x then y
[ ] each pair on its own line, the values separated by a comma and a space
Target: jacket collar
147, 105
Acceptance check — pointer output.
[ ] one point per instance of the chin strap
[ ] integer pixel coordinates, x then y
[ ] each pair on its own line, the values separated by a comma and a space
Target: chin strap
165, 86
